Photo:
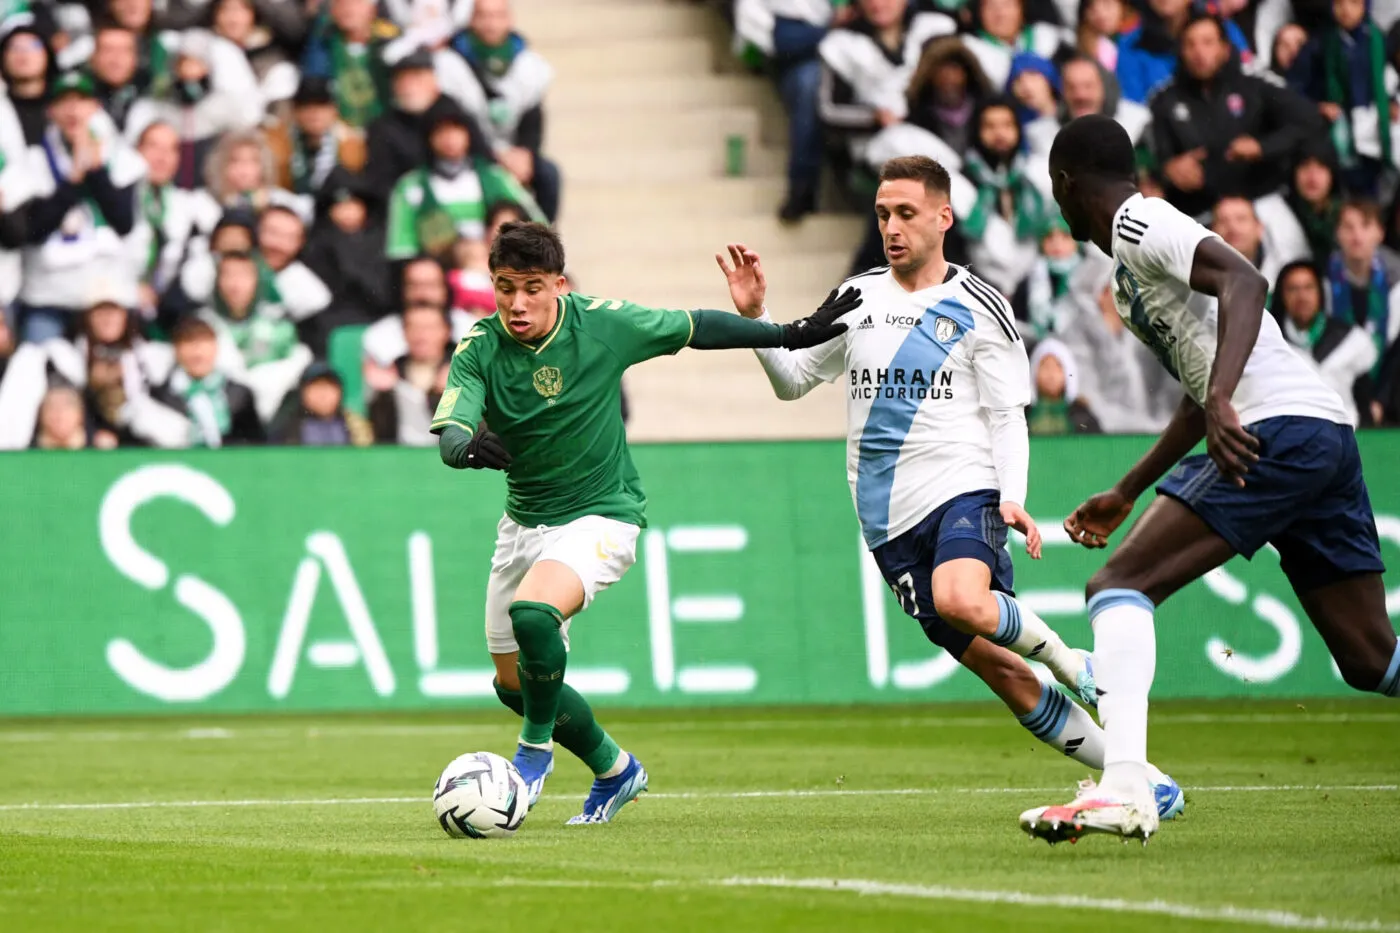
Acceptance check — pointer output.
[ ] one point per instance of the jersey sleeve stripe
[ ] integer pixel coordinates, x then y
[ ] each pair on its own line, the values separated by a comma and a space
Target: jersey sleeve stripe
444, 422
995, 305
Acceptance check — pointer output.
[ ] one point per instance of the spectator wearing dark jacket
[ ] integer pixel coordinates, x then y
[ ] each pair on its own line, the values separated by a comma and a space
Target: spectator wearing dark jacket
398, 140
1343, 69
220, 411
347, 253
1217, 131
315, 415
1147, 55
945, 91
314, 141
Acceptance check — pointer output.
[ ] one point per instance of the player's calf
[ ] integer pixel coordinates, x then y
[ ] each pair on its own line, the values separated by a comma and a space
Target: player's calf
1372, 674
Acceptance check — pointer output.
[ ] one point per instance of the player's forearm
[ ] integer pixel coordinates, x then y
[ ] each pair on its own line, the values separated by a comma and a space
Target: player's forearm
1187, 427
1239, 313
720, 330
453, 445
1011, 453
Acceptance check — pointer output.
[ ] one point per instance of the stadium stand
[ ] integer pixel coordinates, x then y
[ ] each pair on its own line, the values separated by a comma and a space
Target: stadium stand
274, 169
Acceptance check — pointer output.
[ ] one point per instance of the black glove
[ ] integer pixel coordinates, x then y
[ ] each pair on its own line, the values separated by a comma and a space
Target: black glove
820, 327
486, 452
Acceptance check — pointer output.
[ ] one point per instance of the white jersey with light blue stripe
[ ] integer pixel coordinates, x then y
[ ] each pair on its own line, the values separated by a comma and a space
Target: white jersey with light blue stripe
922, 370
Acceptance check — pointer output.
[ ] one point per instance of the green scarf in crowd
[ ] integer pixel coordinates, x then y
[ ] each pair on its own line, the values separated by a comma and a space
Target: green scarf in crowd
1049, 418
153, 210
1335, 64
207, 404
361, 83
992, 184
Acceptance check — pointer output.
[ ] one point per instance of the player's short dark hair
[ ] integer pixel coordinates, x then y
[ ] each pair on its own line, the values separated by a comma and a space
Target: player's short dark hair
926, 171
1094, 145
191, 328
526, 246
1369, 210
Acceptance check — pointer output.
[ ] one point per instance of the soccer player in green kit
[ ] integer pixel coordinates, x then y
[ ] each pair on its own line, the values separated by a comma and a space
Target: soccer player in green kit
545, 373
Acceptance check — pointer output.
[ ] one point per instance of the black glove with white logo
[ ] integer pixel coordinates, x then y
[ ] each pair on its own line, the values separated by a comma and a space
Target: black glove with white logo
486, 452
821, 326
479, 451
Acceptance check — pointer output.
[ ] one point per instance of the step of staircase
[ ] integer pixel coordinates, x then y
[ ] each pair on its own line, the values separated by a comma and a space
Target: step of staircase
644, 99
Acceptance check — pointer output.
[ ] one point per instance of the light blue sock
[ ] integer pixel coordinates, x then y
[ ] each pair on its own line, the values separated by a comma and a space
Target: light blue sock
1009, 623
1048, 719
1390, 683
1020, 630
1065, 727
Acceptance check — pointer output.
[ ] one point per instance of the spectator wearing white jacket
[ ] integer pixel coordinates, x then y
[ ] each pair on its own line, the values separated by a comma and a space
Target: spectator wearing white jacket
85, 179
867, 65
1268, 248
1343, 353
201, 110
165, 218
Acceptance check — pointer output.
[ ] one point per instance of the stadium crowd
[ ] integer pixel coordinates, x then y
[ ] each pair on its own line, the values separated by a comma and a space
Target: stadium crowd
212, 211
267, 221
1272, 121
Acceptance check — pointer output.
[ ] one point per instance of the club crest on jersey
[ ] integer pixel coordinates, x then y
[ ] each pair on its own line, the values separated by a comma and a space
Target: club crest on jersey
944, 329
549, 382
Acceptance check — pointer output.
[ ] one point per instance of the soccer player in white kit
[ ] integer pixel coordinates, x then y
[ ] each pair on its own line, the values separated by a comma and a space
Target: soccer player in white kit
1282, 468
938, 455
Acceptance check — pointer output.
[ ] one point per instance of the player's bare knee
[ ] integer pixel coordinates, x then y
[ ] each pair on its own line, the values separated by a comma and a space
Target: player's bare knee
963, 606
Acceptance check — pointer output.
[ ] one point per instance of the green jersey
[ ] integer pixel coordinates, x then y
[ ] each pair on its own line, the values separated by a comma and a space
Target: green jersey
556, 404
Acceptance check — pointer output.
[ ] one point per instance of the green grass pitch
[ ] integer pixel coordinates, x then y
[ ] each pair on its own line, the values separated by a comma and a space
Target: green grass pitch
898, 818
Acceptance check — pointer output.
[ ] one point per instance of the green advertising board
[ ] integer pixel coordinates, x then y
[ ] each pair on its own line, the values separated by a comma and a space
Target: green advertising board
303, 579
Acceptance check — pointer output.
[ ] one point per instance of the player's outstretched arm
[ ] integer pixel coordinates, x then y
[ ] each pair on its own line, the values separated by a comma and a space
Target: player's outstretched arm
1092, 523
791, 374
1240, 293
719, 330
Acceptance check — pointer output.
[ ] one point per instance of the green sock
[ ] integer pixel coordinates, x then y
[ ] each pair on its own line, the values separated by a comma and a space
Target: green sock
542, 661
574, 728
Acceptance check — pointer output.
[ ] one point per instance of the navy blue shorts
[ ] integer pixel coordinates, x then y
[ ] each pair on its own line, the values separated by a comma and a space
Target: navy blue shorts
969, 525
1305, 496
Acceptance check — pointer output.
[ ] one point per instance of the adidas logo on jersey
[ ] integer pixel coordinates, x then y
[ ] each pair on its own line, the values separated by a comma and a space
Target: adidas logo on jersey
866, 324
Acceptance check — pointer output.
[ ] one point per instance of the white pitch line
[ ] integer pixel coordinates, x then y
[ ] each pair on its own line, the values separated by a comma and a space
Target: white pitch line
1226, 913
226, 733
682, 795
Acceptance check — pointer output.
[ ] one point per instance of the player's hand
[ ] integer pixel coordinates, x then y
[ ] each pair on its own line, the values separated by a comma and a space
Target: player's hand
1097, 518
821, 326
1233, 449
1017, 517
486, 452
747, 286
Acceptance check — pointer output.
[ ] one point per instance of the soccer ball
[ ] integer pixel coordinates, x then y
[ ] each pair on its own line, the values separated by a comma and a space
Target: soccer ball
481, 796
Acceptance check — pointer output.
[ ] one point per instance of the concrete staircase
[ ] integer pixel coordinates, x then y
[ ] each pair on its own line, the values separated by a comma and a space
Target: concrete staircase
644, 97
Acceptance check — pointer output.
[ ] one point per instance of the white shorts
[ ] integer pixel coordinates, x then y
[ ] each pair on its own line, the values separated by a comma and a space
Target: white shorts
598, 549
